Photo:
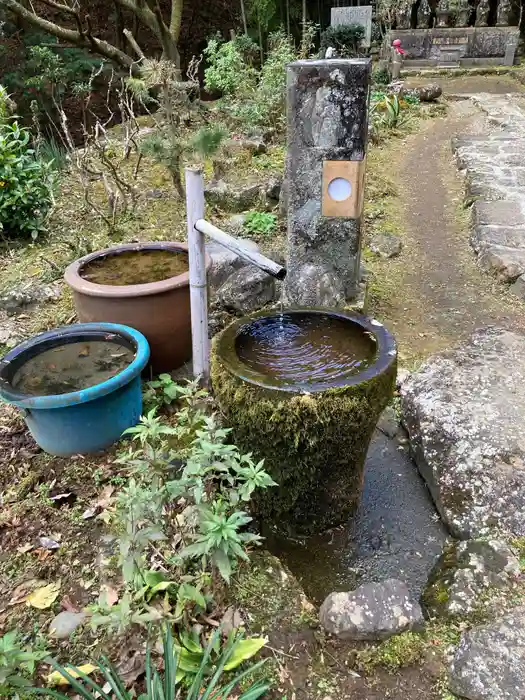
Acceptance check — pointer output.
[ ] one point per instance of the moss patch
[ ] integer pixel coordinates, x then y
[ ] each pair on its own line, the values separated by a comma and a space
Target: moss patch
314, 445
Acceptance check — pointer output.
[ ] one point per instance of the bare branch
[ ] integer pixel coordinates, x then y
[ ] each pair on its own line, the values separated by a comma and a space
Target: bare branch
133, 43
71, 36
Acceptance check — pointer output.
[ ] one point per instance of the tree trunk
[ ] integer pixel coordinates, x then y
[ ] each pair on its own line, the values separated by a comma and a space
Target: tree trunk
288, 17
243, 13
261, 47
176, 18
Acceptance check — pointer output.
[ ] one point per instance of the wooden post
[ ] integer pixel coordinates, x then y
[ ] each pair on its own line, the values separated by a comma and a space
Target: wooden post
198, 288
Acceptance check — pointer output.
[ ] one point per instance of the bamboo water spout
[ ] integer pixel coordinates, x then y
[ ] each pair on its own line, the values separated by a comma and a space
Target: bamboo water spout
197, 228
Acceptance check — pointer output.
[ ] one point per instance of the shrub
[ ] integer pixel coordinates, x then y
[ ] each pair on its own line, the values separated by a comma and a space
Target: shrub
258, 95
345, 38
26, 184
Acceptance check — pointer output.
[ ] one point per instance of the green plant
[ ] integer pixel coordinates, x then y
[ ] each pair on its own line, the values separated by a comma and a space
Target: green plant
185, 486
26, 184
230, 68
260, 222
16, 664
380, 76
345, 38
204, 680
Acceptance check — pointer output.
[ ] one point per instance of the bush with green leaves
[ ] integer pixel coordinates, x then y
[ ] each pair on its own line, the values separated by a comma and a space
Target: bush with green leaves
345, 38
17, 664
255, 98
208, 667
26, 184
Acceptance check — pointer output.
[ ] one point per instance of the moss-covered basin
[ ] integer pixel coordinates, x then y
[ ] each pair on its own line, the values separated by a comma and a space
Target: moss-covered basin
312, 431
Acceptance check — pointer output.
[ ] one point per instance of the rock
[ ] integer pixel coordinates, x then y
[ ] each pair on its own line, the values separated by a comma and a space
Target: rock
427, 93
389, 422
273, 188
402, 375
224, 262
464, 411
234, 198
29, 294
506, 263
254, 146
489, 663
65, 623
386, 245
372, 612
246, 290
234, 224
464, 573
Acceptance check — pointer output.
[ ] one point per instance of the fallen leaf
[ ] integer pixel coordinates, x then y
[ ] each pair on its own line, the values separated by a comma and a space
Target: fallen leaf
43, 598
68, 605
61, 498
56, 678
24, 548
102, 502
48, 543
109, 595
131, 668
20, 593
89, 513
42, 554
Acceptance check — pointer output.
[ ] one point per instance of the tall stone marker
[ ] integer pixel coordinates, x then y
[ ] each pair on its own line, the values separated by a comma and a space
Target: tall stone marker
354, 15
325, 168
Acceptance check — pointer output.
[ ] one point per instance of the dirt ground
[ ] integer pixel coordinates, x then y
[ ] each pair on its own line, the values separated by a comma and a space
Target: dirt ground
433, 294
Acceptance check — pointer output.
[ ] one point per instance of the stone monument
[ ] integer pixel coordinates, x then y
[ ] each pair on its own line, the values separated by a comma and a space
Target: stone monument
440, 35
325, 166
354, 15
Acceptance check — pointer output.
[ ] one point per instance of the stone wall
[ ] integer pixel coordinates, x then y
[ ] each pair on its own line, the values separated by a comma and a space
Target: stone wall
472, 42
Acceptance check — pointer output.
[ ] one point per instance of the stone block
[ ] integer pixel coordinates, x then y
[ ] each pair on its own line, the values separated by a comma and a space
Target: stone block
482, 237
327, 121
499, 213
506, 263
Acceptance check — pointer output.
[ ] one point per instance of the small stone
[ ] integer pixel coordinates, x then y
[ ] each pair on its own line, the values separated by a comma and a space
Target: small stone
246, 290
489, 663
273, 188
427, 93
386, 245
463, 574
48, 543
65, 623
389, 422
374, 611
402, 375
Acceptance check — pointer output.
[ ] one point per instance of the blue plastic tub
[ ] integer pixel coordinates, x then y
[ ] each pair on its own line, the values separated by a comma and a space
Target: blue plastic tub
83, 421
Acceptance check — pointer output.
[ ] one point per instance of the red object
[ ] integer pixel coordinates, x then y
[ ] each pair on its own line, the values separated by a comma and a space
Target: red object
397, 46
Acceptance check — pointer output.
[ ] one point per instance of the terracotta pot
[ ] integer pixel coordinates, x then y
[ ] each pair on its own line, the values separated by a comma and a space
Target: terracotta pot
159, 310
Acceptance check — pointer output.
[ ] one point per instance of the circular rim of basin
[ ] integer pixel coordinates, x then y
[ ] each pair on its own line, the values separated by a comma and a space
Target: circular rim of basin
75, 280
386, 352
91, 393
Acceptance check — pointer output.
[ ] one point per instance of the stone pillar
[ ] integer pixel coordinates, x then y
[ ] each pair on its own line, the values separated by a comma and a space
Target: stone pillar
327, 135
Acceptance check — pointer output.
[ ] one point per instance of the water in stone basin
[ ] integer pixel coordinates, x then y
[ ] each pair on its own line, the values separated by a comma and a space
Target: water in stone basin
71, 367
135, 267
304, 348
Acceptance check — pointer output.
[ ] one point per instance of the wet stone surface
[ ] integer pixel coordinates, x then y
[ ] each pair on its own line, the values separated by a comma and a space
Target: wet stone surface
396, 533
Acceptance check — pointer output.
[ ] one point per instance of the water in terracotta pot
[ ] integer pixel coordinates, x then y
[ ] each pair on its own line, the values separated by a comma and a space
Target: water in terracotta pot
135, 267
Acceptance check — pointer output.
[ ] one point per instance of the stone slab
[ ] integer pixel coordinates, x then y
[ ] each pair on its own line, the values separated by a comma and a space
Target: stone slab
354, 15
498, 214
486, 236
506, 263
465, 411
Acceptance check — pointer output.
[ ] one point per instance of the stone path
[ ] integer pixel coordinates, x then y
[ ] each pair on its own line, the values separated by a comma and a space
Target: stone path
494, 164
